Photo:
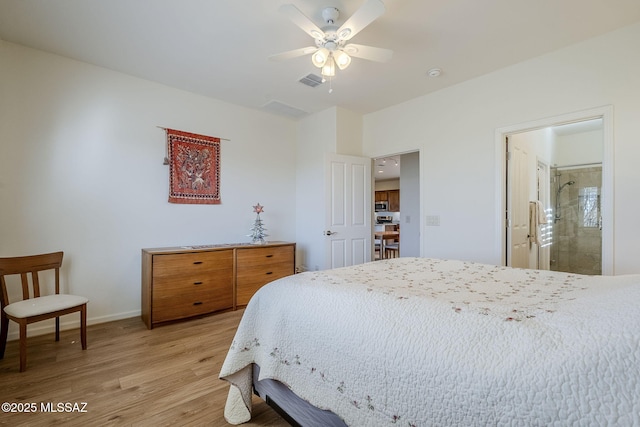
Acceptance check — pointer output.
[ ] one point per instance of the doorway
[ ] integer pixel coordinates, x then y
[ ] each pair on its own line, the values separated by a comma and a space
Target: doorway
398, 175
577, 196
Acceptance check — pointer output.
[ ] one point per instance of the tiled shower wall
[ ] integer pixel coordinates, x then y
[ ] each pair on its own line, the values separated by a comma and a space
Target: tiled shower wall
577, 234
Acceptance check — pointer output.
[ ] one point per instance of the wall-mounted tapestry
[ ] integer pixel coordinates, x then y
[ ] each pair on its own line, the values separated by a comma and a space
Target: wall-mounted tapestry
194, 163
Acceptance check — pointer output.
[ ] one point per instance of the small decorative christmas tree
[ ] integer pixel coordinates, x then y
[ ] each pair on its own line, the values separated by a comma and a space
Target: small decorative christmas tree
258, 231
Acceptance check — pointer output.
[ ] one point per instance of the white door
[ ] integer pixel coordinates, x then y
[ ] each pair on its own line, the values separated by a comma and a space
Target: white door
348, 210
517, 206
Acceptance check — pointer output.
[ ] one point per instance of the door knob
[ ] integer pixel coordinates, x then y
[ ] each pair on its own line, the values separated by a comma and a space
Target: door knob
329, 233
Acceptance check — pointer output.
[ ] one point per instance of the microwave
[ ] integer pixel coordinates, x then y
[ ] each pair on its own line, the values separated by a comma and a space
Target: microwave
382, 206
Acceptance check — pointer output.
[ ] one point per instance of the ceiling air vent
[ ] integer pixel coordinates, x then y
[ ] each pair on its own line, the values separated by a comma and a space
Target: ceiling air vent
284, 109
311, 80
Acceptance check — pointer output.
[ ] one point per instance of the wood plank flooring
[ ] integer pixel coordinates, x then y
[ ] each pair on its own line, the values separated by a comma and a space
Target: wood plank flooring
128, 376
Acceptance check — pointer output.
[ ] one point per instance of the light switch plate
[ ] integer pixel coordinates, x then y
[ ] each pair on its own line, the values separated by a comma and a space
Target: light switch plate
433, 220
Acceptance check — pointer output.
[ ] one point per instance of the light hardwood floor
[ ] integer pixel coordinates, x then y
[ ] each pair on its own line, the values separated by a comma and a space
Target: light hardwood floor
128, 376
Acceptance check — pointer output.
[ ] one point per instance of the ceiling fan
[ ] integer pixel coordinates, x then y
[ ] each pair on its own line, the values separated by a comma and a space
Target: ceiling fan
331, 42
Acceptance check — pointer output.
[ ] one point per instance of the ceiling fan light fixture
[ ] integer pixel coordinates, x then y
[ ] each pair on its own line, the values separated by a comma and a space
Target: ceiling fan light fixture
329, 68
319, 58
331, 49
342, 59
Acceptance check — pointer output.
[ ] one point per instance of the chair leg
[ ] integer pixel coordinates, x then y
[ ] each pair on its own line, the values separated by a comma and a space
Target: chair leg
83, 326
57, 329
4, 330
23, 346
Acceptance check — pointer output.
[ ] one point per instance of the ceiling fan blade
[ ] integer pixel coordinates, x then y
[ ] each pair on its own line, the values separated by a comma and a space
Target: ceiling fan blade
293, 53
368, 52
368, 12
302, 21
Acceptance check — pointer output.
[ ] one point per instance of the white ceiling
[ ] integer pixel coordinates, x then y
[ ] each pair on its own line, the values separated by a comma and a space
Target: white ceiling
220, 48
386, 168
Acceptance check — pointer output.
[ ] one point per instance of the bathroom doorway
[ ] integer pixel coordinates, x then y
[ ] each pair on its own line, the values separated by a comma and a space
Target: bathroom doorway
574, 193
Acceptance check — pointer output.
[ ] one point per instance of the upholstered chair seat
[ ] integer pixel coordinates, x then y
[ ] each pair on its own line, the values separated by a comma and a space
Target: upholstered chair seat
41, 305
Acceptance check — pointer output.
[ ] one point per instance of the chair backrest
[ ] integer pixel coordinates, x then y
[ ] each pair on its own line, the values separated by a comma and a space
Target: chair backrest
29, 264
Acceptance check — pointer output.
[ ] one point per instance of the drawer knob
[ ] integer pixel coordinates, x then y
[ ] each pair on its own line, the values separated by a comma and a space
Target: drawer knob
197, 283
197, 262
269, 256
269, 272
197, 303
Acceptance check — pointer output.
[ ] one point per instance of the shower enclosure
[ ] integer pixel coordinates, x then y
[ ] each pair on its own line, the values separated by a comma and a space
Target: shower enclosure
577, 219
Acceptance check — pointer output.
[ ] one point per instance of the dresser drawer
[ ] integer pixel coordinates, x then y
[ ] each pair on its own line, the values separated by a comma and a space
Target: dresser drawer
264, 273
259, 266
251, 279
220, 281
267, 255
187, 304
192, 264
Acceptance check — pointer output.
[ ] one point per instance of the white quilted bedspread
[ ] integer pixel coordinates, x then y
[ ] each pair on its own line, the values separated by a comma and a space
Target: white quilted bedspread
425, 342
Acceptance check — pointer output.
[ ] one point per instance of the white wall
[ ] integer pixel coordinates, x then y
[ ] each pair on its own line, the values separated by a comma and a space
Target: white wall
579, 148
455, 129
316, 137
387, 184
410, 204
81, 171
348, 132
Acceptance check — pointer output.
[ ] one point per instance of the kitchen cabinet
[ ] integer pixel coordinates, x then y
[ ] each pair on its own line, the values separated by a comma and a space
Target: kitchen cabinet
390, 196
393, 197
183, 282
381, 196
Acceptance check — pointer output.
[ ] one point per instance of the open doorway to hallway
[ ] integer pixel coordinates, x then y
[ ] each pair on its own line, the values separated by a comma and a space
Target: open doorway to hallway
396, 226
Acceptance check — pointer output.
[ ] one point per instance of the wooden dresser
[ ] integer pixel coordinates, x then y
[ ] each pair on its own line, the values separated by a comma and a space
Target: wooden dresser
183, 282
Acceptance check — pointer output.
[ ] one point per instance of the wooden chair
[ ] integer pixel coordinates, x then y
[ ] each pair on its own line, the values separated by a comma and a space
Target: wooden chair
36, 308
392, 249
377, 249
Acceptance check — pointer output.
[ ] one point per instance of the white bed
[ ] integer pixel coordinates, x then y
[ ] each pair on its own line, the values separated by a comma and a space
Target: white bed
418, 342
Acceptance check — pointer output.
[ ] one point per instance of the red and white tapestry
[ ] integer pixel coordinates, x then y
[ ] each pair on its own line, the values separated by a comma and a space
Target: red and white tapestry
194, 162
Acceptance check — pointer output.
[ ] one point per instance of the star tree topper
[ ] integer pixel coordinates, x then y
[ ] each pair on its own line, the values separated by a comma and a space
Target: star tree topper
258, 231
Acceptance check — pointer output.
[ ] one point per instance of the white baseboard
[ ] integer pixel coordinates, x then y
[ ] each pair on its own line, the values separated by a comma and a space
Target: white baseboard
70, 321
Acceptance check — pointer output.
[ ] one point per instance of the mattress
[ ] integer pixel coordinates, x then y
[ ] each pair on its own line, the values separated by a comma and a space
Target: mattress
419, 342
